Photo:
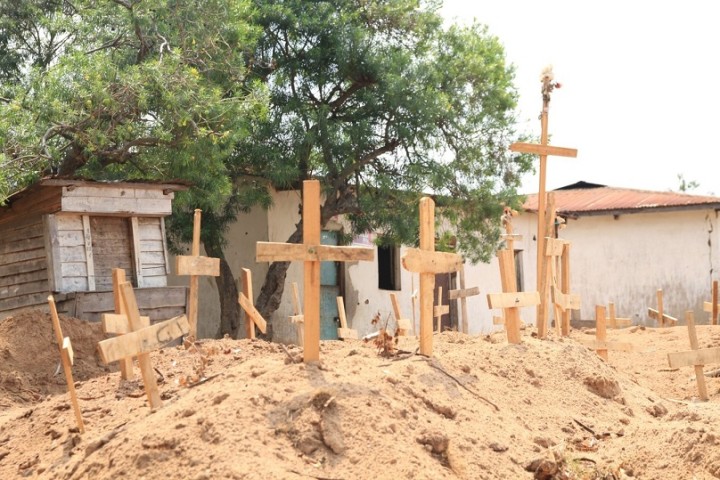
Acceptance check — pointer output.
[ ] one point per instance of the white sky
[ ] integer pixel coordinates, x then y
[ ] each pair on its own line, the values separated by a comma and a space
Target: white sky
640, 92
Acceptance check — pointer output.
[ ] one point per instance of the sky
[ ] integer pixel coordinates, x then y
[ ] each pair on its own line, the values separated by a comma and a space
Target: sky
640, 94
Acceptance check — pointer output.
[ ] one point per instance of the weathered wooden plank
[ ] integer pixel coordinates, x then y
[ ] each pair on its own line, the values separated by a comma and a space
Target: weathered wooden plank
143, 341
75, 284
150, 228
10, 258
42, 202
565, 301
154, 271
153, 258
72, 254
703, 356
52, 253
166, 258
39, 263
135, 251
538, 149
151, 246
117, 323
190, 265
554, 246
71, 238
147, 299
467, 292
26, 277
74, 269
422, 261
114, 191
23, 301
653, 314
513, 299
69, 223
24, 288
252, 312
20, 245
118, 206
30, 227
89, 261
154, 281
281, 252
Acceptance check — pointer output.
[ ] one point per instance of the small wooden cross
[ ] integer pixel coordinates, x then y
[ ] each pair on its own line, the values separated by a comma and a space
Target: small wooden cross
344, 332
697, 357
427, 262
297, 318
245, 299
311, 252
195, 265
510, 303
140, 341
713, 306
66, 357
120, 325
439, 310
403, 324
461, 294
658, 315
543, 150
601, 345
615, 322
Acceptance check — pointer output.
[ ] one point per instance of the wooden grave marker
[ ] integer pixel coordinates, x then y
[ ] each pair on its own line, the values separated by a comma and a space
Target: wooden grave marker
344, 332
508, 281
427, 262
461, 294
439, 310
543, 150
298, 319
713, 307
67, 360
245, 299
403, 324
601, 345
511, 302
696, 357
615, 322
311, 252
139, 342
659, 315
118, 324
195, 266
561, 301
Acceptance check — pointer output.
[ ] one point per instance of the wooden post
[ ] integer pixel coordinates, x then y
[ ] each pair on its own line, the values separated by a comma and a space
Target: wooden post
511, 303
545, 269
311, 252
403, 324
195, 266
298, 318
344, 332
439, 310
543, 150
66, 357
659, 315
126, 364
427, 262
245, 299
462, 293
601, 345
508, 279
697, 357
565, 287
712, 307
615, 322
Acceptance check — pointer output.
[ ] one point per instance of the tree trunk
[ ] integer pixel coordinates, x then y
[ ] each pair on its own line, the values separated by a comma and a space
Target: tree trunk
227, 293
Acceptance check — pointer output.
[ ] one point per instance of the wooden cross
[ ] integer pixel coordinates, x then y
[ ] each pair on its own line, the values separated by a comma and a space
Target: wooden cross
543, 150
195, 265
659, 315
245, 299
427, 262
297, 318
138, 342
615, 322
119, 326
439, 310
565, 287
601, 345
344, 332
403, 324
696, 357
510, 303
311, 252
461, 294
509, 236
66, 357
713, 307
543, 269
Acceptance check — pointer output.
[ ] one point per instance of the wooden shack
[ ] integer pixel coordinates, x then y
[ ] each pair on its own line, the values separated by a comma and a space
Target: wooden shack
65, 237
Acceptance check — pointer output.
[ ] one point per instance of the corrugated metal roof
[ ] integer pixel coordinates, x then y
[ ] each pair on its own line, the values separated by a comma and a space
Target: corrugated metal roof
599, 200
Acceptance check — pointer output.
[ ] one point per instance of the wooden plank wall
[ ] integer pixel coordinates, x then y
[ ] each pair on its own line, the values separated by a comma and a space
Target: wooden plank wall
111, 248
114, 200
71, 255
23, 265
153, 260
157, 303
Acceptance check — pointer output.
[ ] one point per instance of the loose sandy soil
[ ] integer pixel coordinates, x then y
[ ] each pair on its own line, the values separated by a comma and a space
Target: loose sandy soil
479, 409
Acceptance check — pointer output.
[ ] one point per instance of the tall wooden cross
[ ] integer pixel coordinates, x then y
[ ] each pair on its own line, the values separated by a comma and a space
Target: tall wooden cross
543, 150
427, 262
601, 345
139, 342
713, 306
66, 357
312, 253
461, 294
659, 314
245, 299
697, 357
195, 265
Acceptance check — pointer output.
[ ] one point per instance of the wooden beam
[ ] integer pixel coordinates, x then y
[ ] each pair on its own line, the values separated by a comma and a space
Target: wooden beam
565, 301
52, 252
249, 302
513, 299
565, 287
311, 270
655, 315
118, 277
255, 316
426, 261
547, 150
190, 265
117, 324
344, 332
298, 319
89, 260
463, 293
439, 310
143, 341
288, 252
403, 324
427, 279
702, 356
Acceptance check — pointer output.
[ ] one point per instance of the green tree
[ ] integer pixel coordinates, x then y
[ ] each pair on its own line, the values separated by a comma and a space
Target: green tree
129, 89
382, 103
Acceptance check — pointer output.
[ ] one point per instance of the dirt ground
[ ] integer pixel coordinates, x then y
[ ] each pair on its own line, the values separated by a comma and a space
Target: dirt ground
479, 409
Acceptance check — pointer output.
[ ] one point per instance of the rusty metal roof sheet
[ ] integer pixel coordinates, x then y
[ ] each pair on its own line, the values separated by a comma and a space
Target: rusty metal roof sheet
589, 199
